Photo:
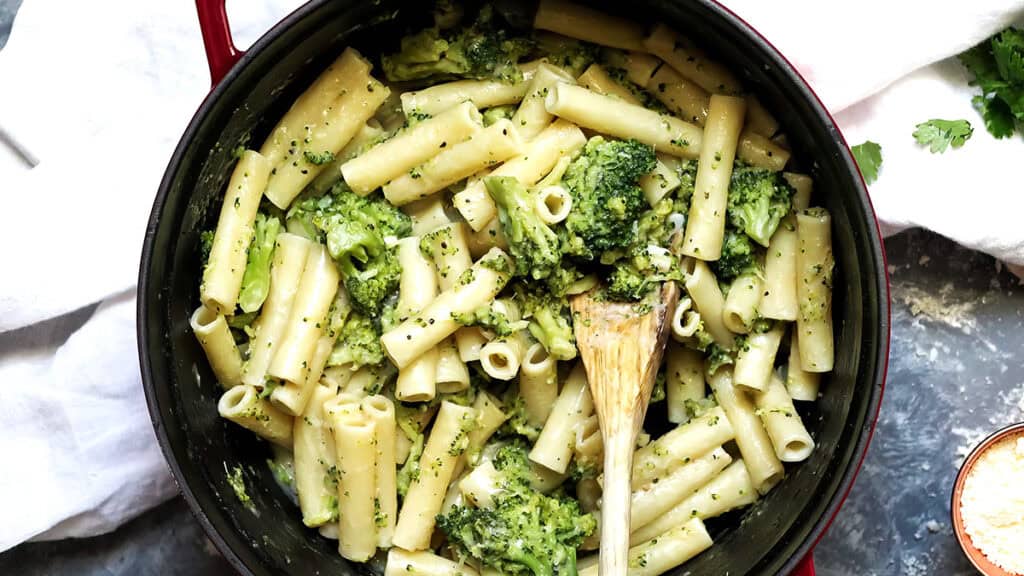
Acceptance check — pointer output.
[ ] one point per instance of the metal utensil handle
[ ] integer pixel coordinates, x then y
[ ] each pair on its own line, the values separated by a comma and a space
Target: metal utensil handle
221, 53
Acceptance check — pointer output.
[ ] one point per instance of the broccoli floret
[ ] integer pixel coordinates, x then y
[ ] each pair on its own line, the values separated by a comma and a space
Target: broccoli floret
480, 51
410, 470
572, 55
697, 408
356, 230
550, 321
646, 268
358, 343
205, 245
658, 391
701, 339
524, 532
491, 320
739, 257
687, 172
495, 113
758, 200
606, 199
716, 358
518, 422
256, 279
583, 469
533, 245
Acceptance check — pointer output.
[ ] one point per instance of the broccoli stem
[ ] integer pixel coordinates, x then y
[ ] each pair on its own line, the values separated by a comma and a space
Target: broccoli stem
531, 562
555, 337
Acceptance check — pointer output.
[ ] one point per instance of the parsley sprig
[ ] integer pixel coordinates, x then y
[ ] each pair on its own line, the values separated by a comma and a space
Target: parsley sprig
869, 159
939, 135
997, 65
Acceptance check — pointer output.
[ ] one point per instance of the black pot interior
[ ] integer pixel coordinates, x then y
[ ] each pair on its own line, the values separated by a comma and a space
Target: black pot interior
268, 536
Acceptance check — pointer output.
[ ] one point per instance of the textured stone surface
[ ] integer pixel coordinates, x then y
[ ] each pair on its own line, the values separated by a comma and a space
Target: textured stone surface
956, 373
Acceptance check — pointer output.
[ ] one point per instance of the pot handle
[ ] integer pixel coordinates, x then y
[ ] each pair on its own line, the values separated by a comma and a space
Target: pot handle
221, 53
805, 567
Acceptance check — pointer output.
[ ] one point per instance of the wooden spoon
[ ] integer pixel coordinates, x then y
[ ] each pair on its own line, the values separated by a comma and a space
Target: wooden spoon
621, 346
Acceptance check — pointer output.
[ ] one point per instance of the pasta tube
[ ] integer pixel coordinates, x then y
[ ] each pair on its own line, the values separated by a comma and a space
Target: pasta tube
690, 61
426, 215
490, 236
243, 406
482, 93
596, 79
814, 264
311, 107
659, 183
452, 373
410, 148
501, 358
680, 446
537, 159
381, 411
531, 117
371, 133
404, 563
553, 448
447, 441
538, 383
496, 143
624, 120
803, 187
779, 301
684, 380
211, 329
317, 288
681, 96
222, 277
801, 384
756, 360
639, 66
703, 288
417, 288
670, 549
655, 499
685, 320
789, 436
740, 308
584, 23
727, 491
354, 435
756, 447
290, 256
759, 119
291, 397
552, 204
756, 150
705, 226
315, 455
476, 287
339, 123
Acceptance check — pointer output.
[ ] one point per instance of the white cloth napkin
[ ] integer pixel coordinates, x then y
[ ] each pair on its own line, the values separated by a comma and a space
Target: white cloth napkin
101, 91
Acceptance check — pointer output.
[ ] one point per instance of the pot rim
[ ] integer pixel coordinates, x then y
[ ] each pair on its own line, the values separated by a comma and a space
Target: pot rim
881, 331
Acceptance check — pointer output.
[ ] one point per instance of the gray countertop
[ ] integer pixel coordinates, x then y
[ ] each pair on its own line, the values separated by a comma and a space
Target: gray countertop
956, 373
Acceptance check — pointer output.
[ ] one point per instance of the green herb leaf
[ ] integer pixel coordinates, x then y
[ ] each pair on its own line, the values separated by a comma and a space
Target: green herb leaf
939, 135
997, 65
996, 114
869, 159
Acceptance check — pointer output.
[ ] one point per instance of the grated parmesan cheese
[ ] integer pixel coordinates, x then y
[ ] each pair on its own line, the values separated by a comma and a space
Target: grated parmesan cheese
992, 504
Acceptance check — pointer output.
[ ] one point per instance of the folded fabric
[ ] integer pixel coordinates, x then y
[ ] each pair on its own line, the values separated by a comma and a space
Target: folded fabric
101, 95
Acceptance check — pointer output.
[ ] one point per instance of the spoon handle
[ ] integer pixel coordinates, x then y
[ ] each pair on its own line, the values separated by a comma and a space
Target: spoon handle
618, 459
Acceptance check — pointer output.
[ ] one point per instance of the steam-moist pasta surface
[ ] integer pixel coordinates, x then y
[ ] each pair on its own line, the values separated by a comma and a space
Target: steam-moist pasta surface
386, 292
